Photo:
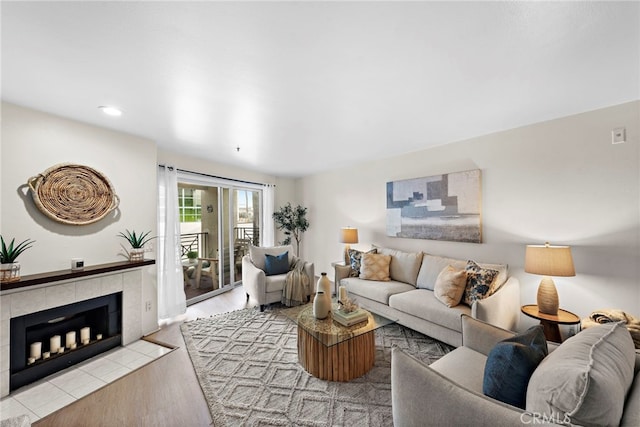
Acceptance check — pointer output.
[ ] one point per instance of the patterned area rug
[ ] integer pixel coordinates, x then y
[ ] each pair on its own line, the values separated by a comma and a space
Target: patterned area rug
247, 365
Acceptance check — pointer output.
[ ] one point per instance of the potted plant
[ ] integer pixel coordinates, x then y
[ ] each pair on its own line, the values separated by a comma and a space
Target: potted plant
9, 268
192, 255
137, 242
293, 221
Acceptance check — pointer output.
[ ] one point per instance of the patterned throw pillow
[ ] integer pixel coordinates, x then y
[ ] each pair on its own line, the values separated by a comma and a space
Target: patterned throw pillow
479, 282
355, 257
375, 267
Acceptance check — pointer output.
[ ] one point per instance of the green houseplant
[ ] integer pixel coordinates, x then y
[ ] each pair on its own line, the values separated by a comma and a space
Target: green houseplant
9, 268
137, 242
192, 255
293, 221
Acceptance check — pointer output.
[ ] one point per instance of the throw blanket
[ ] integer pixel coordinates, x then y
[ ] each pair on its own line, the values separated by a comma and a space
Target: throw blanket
296, 286
613, 315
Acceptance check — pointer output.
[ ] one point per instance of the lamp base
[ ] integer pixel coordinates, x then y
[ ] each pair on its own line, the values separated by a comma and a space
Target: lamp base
347, 260
548, 302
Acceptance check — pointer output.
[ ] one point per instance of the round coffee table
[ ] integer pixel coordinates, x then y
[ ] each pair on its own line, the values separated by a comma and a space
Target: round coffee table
330, 351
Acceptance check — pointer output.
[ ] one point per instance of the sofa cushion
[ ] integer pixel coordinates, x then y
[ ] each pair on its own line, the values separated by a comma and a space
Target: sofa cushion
423, 304
355, 259
479, 282
450, 286
510, 364
257, 254
463, 366
586, 379
276, 264
431, 267
377, 291
404, 265
375, 267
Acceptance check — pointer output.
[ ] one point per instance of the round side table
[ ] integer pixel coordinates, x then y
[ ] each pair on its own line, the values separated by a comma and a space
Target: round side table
550, 322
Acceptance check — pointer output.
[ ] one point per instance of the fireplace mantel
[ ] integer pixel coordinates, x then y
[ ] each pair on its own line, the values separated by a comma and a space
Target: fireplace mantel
56, 276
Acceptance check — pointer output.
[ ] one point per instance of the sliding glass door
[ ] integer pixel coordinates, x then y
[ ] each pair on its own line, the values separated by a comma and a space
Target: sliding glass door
218, 223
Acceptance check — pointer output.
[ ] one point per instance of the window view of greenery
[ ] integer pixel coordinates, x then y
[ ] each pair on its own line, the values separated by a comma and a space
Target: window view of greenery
190, 204
245, 207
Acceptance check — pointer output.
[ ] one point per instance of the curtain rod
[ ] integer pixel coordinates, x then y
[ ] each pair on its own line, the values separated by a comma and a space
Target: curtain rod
218, 177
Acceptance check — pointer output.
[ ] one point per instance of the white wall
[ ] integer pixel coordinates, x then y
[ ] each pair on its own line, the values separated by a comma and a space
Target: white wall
560, 181
33, 141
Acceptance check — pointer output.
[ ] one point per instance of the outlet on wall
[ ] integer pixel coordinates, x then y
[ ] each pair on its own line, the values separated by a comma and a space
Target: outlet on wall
147, 306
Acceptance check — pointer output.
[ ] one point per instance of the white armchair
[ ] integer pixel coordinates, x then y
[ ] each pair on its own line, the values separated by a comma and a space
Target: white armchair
267, 289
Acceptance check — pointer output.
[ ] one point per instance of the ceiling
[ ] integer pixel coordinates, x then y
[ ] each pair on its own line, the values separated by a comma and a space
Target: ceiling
302, 87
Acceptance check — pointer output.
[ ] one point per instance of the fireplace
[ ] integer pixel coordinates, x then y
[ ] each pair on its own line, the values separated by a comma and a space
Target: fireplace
81, 330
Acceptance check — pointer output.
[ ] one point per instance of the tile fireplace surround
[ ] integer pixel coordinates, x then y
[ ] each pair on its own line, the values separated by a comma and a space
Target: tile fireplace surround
31, 299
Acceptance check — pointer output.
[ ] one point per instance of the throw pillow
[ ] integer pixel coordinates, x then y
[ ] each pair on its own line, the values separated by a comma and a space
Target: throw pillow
355, 257
479, 282
510, 365
585, 381
375, 267
404, 265
450, 286
276, 264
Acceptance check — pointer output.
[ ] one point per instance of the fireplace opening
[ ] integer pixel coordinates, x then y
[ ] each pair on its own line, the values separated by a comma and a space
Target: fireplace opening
48, 341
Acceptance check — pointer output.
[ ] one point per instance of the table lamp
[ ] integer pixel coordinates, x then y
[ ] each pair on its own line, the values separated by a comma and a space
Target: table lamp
348, 235
548, 260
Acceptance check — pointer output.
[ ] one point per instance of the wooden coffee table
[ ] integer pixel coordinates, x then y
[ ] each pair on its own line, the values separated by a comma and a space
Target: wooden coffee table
330, 351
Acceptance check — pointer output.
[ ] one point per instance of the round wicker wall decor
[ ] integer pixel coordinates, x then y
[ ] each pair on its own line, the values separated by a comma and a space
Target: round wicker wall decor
73, 194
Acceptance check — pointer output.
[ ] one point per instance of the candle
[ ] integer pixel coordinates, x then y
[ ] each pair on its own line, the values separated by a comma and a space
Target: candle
31, 360
99, 336
46, 355
54, 343
73, 346
85, 334
342, 293
61, 350
36, 350
71, 338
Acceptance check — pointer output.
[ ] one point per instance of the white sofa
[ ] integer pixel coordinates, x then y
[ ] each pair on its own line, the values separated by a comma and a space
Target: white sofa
268, 289
591, 379
409, 299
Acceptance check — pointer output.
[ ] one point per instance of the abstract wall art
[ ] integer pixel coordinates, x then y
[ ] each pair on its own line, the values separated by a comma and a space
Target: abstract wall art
439, 207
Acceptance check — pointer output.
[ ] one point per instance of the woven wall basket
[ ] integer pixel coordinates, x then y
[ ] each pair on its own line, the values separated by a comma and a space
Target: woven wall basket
73, 194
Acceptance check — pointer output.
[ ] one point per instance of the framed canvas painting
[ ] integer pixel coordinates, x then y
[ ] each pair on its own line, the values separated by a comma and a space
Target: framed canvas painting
439, 207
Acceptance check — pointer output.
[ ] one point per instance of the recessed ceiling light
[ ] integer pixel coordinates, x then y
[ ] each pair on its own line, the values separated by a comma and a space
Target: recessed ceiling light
111, 111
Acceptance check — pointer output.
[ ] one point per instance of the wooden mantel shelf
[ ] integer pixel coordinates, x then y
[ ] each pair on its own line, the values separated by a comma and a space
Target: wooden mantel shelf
56, 276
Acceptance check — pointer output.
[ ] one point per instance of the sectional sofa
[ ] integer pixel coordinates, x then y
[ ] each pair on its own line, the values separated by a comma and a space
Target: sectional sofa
409, 296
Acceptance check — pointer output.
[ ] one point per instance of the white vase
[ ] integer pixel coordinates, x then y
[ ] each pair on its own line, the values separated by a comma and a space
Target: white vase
321, 305
324, 284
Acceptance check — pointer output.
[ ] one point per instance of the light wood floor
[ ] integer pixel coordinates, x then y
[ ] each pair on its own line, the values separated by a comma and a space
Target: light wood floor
165, 392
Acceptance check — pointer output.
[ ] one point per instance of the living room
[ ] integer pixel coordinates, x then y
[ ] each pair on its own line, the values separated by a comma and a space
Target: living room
552, 175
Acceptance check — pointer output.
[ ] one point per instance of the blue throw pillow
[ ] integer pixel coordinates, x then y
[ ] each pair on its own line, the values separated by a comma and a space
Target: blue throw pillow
510, 365
276, 264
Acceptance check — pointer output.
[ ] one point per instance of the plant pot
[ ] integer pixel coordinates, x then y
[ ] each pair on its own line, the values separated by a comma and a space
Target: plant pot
136, 255
10, 272
192, 260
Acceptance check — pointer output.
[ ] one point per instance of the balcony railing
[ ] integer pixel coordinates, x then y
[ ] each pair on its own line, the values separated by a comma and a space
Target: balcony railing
196, 242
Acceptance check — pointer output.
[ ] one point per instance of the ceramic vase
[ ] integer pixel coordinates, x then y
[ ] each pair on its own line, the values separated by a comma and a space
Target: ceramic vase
321, 305
324, 284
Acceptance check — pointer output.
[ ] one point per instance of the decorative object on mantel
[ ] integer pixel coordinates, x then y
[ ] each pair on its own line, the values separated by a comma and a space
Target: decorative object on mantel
137, 242
547, 260
439, 207
73, 194
9, 268
348, 235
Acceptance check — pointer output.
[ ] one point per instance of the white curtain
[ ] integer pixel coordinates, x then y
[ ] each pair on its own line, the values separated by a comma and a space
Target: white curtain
171, 297
268, 229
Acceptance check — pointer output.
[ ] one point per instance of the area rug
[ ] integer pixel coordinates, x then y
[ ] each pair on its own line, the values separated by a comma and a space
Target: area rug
247, 365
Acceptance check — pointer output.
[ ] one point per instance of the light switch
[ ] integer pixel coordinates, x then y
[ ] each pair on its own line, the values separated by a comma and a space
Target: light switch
618, 136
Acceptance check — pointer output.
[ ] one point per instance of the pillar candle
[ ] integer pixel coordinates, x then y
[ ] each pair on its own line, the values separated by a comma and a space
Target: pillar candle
342, 293
99, 336
54, 344
46, 355
71, 338
36, 350
85, 334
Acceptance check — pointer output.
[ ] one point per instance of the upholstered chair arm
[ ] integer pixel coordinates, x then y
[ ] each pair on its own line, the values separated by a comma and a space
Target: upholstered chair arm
253, 280
309, 270
341, 272
481, 336
502, 308
423, 397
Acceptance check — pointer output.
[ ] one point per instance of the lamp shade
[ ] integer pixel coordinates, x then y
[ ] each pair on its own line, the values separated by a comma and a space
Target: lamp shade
549, 260
348, 235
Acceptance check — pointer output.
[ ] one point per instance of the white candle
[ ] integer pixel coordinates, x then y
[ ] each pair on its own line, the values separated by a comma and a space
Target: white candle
36, 350
46, 355
71, 338
61, 350
85, 334
54, 344
73, 346
31, 360
99, 336
342, 293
